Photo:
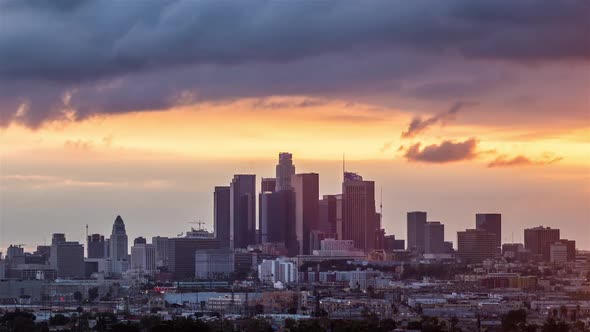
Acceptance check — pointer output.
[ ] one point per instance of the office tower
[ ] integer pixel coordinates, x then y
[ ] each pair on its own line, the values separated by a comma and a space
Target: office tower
44, 251
242, 211
96, 246
284, 171
119, 250
268, 185
491, 222
474, 246
328, 214
58, 238
143, 256
214, 264
434, 237
538, 239
391, 243
161, 245
67, 258
571, 249
558, 252
339, 217
221, 216
13, 252
139, 240
307, 191
181, 255
276, 213
359, 218
415, 227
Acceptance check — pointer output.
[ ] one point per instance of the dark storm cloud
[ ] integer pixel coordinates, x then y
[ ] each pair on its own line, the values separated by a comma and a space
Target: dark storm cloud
419, 125
520, 160
91, 48
445, 152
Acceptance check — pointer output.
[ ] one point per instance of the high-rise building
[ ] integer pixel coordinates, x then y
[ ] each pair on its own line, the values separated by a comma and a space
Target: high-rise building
181, 255
119, 247
242, 211
58, 238
475, 246
359, 217
161, 245
96, 246
276, 214
328, 214
391, 243
268, 185
67, 258
434, 237
558, 252
307, 191
221, 215
139, 240
491, 222
415, 226
143, 257
571, 249
284, 171
538, 239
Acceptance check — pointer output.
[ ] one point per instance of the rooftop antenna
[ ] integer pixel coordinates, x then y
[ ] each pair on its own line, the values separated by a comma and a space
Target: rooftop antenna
343, 165
381, 203
86, 230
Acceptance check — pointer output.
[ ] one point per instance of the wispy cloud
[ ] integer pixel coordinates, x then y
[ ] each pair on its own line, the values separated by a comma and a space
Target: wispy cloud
420, 125
521, 160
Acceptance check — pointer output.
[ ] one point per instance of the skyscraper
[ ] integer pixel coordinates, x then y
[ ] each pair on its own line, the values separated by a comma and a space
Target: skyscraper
161, 245
96, 246
328, 213
242, 211
491, 222
434, 237
307, 191
143, 256
67, 257
359, 217
221, 216
539, 239
277, 212
474, 246
119, 250
415, 226
284, 171
268, 185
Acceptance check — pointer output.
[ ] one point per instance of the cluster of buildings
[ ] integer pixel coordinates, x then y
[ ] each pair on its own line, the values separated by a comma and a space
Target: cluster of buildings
300, 241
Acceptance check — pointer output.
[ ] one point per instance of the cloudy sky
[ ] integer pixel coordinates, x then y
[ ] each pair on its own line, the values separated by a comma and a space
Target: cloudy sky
140, 108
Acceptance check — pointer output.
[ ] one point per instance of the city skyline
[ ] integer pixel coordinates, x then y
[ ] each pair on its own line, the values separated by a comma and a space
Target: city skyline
476, 222
454, 108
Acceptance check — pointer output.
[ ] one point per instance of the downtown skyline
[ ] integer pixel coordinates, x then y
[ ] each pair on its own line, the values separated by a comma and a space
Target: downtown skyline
515, 236
453, 108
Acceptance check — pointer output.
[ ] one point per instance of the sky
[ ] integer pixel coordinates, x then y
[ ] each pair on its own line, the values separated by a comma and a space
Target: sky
140, 108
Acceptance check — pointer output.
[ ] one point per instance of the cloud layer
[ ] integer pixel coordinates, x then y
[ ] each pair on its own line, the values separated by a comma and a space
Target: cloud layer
73, 59
445, 152
520, 160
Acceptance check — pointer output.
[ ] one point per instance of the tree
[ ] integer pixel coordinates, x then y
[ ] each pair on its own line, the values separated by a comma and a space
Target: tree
58, 320
78, 296
513, 320
552, 325
92, 294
